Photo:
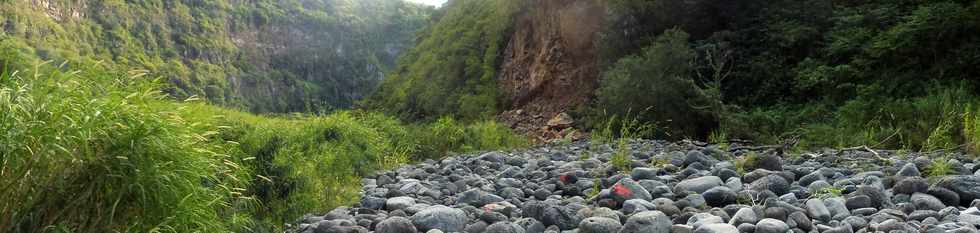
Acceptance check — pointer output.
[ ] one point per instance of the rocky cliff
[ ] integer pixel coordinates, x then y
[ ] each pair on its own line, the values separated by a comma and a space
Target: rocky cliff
550, 63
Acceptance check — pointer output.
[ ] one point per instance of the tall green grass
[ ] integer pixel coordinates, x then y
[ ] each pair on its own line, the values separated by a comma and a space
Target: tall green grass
449, 135
971, 130
619, 131
90, 151
925, 122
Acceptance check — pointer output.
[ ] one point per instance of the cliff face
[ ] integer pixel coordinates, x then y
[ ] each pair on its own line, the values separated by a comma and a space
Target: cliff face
550, 64
260, 55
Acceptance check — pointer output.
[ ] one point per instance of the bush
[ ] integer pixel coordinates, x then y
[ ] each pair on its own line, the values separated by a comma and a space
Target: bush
311, 163
89, 151
659, 81
926, 122
490, 135
448, 135
939, 167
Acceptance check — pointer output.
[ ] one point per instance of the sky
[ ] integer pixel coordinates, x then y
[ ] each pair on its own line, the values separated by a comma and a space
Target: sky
430, 2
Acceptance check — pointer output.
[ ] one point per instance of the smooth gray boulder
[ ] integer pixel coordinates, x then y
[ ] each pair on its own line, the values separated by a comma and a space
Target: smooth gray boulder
720, 196
817, 210
504, 227
770, 225
647, 222
924, 201
717, 228
967, 187
698, 185
398, 203
599, 225
744, 215
440, 217
395, 225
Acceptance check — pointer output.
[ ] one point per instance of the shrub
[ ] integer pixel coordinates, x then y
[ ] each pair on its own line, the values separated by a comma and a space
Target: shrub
719, 138
490, 135
89, 151
442, 136
939, 167
305, 164
658, 80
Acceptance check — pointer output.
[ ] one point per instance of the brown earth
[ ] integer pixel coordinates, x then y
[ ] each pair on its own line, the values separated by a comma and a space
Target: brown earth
550, 64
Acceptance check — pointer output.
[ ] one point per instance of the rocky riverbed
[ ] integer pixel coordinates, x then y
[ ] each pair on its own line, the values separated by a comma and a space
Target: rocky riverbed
672, 187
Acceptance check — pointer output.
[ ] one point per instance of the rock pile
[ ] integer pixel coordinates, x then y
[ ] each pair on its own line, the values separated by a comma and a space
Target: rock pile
672, 187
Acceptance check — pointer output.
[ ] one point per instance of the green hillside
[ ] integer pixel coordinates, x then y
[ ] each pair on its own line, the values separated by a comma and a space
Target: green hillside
453, 68
823, 73
261, 56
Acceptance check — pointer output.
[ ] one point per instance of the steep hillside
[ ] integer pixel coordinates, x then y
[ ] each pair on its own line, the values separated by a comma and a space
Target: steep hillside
897, 74
482, 58
453, 68
550, 64
264, 56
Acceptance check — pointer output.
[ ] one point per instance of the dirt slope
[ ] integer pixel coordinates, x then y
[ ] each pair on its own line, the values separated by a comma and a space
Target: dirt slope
550, 63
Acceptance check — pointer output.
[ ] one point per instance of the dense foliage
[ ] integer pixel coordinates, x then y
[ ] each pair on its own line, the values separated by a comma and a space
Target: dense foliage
99, 151
656, 86
89, 152
263, 56
878, 73
453, 69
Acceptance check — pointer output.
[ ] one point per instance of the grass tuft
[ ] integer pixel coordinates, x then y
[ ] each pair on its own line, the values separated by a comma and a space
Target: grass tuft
939, 167
971, 131
828, 192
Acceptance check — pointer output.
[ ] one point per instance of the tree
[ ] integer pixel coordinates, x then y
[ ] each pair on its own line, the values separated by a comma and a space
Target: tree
658, 84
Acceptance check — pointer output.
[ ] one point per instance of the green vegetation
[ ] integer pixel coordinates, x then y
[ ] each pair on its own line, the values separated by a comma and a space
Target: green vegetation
971, 131
452, 70
747, 162
448, 135
596, 189
877, 73
622, 159
630, 128
719, 138
939, 167
940, 139
88, 151
261, 56
97, 151
828, 192
657, 79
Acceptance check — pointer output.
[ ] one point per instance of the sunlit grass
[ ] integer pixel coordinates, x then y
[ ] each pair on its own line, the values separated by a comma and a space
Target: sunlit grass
89, 151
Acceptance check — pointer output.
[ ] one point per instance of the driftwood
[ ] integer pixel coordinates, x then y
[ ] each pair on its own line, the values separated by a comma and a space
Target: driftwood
864, 148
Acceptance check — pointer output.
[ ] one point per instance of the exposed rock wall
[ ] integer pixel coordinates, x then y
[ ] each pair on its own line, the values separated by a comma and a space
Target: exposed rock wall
550, 64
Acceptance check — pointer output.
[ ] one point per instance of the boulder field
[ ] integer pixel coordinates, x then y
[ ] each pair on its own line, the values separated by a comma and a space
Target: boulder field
680, 187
